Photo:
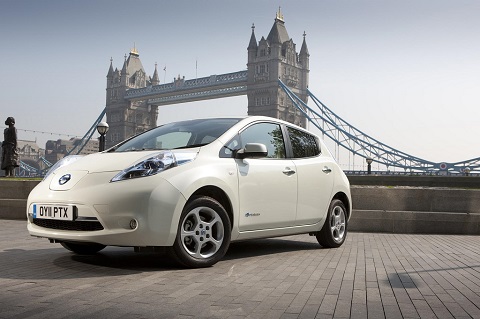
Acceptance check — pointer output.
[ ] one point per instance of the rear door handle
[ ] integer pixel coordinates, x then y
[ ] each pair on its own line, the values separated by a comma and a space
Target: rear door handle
288, 171
326, 170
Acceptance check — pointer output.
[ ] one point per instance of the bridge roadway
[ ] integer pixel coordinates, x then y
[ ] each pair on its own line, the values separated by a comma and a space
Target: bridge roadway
371, 276
182, 91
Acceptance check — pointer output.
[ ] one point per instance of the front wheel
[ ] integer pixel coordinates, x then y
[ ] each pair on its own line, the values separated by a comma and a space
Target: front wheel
203, 234
334, 231
83, 249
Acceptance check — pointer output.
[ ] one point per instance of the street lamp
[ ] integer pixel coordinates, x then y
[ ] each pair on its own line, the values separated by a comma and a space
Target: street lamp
369, 165
102, 129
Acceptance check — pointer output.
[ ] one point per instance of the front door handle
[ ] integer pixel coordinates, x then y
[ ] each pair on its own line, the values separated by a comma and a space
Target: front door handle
326, 170
288, 171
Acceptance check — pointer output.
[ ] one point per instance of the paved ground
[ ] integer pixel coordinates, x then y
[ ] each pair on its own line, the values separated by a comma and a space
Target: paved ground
370, 276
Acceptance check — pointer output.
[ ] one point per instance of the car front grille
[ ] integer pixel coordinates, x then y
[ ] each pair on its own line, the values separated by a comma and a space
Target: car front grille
68, 225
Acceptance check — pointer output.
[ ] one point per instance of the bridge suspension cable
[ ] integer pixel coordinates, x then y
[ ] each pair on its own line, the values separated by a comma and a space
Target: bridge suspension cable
358, 143
79, 147
42, 132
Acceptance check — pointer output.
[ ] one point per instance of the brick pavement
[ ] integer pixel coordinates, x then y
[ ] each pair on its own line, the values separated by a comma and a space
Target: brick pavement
370, 276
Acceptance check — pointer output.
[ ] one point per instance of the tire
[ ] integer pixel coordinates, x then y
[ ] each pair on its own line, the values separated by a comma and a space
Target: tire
83, 249
203, 234
334, 230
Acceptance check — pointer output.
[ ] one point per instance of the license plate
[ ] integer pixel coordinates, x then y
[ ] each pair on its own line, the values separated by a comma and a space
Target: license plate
57, 212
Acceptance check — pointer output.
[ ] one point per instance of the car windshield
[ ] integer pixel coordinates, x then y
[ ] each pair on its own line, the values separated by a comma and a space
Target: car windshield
185, 134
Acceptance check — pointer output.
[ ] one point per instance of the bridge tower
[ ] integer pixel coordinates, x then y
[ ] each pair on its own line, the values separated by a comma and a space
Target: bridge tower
271, 59
127, 118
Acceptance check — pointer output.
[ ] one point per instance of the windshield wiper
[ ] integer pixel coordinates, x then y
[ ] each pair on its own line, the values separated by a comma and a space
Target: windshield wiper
190, 146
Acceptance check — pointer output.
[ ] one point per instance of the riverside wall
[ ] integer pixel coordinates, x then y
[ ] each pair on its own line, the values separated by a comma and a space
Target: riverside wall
395, 204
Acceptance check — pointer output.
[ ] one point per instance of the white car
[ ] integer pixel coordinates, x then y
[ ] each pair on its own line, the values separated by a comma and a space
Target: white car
193, 187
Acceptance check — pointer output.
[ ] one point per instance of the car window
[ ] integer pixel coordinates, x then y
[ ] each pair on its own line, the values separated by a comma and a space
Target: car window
232, 146
183, 134
303, 144
269, 134
170, 140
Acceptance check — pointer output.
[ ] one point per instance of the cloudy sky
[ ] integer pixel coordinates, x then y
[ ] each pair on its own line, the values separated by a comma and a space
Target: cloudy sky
405, 72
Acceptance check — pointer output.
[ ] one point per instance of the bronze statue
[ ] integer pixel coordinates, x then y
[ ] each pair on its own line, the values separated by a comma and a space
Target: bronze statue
9, 148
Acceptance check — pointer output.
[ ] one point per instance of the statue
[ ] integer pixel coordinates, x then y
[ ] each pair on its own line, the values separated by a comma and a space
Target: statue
9, 148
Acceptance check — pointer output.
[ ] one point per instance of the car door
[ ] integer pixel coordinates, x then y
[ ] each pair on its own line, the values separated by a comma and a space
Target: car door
315, 177
267, 186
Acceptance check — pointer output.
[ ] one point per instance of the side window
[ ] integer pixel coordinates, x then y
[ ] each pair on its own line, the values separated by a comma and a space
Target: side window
303, 144
230, 147
265, 133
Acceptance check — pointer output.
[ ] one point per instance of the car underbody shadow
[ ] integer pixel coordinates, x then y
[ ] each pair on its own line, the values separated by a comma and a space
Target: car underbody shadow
269, 246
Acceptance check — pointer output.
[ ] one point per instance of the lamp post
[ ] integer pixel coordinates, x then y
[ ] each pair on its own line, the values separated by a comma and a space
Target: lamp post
102, 129
369, 165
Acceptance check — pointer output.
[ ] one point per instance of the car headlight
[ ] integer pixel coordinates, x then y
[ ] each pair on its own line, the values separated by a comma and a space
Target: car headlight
67, 160
152, 165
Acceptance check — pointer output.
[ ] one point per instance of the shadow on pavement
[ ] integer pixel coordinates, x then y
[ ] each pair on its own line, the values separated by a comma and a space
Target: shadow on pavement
58, 263
263, 247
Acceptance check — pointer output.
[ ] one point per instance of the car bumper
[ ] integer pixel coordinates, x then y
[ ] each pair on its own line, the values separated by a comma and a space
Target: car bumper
105, 211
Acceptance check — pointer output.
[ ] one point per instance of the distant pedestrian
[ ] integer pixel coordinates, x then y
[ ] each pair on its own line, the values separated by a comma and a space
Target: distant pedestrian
9, 148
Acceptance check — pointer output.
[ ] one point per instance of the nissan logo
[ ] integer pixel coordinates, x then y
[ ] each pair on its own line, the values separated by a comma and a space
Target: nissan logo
64, 179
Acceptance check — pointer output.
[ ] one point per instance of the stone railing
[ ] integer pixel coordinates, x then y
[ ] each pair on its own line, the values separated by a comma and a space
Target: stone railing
395, 209
13, 197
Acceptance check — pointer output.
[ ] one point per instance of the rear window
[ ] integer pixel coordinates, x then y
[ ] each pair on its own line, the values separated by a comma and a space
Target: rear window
303, 143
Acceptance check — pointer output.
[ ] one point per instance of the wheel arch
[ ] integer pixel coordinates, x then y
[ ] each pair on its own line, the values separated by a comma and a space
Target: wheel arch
345, 200
217, 194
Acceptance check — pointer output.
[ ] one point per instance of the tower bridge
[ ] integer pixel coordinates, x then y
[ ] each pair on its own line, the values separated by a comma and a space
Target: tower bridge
133, 97
275, 82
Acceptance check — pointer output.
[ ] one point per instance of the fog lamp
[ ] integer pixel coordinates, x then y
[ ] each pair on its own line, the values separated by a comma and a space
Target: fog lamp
133, 224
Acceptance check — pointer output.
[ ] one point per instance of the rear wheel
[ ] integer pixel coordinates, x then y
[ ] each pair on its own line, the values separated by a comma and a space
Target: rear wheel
83, 249
203, 234
334, 231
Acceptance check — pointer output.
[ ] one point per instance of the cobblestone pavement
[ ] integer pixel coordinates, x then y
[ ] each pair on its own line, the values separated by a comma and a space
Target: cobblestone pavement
370, 276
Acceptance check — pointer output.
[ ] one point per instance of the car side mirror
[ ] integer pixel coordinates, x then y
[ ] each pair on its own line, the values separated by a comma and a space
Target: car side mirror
252, 150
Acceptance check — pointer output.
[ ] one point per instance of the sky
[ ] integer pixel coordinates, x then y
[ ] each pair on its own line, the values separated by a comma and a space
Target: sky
404, 72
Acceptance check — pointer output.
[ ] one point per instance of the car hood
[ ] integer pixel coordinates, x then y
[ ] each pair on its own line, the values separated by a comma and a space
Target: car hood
112, 162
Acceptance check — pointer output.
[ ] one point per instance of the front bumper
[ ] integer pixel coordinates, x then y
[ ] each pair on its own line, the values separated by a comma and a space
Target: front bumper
105, 210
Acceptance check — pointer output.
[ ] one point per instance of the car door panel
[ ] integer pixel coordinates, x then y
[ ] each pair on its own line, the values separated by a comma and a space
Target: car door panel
268, 185
314, 189
267, 193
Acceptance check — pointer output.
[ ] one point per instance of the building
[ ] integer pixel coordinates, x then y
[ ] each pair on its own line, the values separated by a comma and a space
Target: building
29, 151
32, 155
269, 59
56, 150
126, 118
276, 58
